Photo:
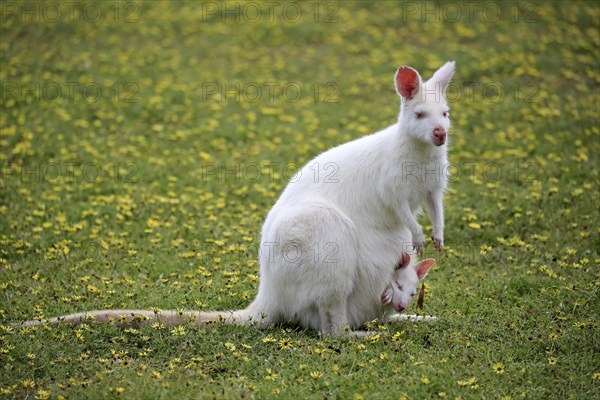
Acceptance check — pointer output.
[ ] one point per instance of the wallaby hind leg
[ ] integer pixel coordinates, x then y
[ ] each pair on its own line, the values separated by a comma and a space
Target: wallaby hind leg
334, 322
334, 318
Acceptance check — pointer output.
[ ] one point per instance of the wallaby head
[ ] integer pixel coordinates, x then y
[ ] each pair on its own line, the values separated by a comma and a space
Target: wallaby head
424, 113
403, 286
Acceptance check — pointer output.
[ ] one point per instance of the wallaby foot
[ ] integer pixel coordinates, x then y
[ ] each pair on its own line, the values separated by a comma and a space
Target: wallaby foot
411, 318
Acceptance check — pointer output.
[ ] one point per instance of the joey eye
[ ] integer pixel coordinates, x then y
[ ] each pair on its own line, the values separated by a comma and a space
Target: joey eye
399, 286
419, 115
446, 114
413, 294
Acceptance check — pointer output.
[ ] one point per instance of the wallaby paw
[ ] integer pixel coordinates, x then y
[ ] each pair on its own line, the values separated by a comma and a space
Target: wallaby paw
438, 243
418, 240
418, 247
386, 296
411, 318
361, 334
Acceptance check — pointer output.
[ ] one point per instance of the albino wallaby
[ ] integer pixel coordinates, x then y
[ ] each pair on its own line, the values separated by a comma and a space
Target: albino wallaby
400, 292
402, 289
330, 243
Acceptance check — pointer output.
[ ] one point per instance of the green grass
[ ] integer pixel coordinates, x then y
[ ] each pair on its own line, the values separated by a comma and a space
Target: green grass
516, 291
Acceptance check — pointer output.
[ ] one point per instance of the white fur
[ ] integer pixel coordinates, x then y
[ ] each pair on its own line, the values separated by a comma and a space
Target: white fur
366, 208
402, 288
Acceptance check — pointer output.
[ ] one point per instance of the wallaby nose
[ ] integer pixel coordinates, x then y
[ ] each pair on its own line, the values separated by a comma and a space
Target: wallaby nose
439, 136
400, 307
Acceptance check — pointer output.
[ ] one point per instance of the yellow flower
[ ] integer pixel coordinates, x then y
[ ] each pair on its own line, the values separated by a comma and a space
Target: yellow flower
230, 346
471, 382
498, 368
28, 383
375, 338
285, 343
271, 111
471, 217
484, 249
42, 395
270, 376
178, 331
152, 223
156, 375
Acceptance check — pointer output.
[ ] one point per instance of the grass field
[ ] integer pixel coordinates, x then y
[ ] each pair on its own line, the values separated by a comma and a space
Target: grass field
143, 143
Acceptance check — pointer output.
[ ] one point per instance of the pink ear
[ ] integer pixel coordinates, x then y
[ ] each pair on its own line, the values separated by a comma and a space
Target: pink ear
404, 261
408, 82
423, 267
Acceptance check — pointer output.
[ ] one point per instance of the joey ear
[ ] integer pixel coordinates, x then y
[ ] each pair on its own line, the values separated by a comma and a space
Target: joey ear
423, 267
443, 75
408, 82
404, 261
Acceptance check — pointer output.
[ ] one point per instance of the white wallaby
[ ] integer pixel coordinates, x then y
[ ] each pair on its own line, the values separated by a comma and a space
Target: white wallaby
402, 289
330, 243
400, 292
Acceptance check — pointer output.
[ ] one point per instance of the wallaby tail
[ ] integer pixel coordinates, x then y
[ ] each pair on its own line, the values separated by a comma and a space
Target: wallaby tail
166, 317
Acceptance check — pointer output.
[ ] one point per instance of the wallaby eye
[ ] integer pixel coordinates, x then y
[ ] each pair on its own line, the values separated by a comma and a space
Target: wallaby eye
419, 115
412, 294
399, 286
446, 114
